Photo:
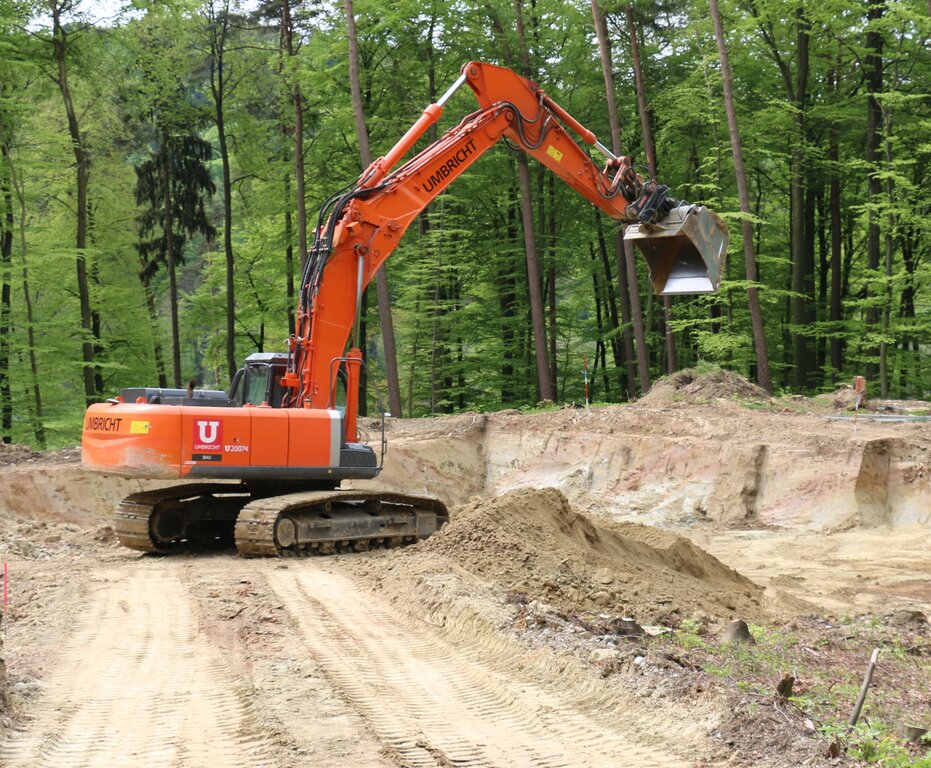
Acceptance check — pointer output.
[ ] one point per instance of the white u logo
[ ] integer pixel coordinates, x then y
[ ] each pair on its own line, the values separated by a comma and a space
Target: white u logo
208, 431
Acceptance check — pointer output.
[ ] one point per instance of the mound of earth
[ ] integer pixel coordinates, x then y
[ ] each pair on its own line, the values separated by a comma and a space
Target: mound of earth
12, 453
689, 386
533, 542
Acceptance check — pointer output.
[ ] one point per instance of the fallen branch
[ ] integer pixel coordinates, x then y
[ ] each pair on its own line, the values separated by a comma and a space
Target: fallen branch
855, 715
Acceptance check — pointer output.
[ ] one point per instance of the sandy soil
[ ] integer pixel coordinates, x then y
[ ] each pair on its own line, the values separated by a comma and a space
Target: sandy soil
512, 637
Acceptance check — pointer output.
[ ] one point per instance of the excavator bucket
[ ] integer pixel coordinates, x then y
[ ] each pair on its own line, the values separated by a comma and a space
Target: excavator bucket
685, 251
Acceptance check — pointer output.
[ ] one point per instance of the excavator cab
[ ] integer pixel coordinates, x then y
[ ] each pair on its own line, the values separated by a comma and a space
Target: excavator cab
258, 382
685, 251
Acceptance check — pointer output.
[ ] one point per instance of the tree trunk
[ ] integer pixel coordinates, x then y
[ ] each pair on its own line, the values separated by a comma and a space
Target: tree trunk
910, 384
284, 34
156, 334
536, 324
824, 268
7, 222
534, 284
363, 344
288, 243
834, 204
545, 385
287, 31
381, 278
551, 276
611, 303
601, 296
642, 108
873, 71
168, 226
412, 371
627, 265
648, 148
801, 282
890, 234
624, 349
801, 245
460, 347
756, 317
435, 351
82, 170
38, 425
507, 303
604, 47
218, 85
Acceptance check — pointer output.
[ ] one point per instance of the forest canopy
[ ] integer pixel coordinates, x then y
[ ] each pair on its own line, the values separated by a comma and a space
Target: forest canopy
162, 163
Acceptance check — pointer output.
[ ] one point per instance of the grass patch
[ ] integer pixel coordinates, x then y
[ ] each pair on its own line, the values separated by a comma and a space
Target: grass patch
828, 660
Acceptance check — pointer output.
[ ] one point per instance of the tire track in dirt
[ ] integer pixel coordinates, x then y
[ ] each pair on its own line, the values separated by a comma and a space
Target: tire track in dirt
136, 684
428, 702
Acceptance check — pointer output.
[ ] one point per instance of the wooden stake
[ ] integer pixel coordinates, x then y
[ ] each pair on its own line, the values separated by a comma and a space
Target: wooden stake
855, 715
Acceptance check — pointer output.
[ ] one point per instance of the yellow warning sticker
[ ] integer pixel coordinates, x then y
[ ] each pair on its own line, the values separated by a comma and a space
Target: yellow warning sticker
554, 153
139, 427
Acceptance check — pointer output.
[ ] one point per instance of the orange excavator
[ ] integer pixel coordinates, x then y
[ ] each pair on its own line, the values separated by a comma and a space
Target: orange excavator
287, 430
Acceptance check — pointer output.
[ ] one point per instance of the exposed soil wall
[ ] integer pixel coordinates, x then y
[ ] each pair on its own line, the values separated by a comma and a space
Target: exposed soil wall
793, 465
719, 462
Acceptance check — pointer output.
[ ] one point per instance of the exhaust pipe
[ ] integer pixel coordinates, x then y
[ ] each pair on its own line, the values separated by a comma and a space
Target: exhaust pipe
685, 251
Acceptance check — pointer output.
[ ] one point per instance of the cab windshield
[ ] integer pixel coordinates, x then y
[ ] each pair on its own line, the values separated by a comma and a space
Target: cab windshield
256, 390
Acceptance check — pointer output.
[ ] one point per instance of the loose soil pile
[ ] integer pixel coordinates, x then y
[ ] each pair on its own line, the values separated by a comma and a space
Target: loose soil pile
11, 454
16, 454
532, 542
689, 386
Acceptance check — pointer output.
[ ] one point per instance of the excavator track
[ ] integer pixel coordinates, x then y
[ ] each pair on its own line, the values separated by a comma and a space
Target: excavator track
324, 522
215, 515
180, 518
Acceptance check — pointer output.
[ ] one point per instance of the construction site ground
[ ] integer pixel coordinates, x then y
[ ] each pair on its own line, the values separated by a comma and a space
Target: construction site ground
570, 614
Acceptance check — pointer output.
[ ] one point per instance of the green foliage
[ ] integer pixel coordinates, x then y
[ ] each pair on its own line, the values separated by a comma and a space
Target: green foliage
458, 280
876, 744
826, 682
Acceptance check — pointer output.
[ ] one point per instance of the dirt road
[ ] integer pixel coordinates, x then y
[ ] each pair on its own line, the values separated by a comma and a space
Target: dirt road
150, 676
137, 683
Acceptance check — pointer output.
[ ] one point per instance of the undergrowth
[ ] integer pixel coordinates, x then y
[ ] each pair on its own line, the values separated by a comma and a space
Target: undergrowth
827, 661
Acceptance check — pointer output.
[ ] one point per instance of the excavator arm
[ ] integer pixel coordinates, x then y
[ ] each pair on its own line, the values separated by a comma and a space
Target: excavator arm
360, 229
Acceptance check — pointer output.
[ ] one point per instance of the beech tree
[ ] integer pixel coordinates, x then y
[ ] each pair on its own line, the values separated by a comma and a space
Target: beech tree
381, 277
61, 45
624, 269
759, 336
223, 82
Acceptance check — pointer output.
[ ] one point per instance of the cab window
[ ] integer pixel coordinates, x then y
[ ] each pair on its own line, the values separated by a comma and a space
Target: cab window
256, 384
340, 396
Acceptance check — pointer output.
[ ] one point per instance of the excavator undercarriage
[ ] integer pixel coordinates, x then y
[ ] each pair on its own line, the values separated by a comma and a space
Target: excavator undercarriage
206, 516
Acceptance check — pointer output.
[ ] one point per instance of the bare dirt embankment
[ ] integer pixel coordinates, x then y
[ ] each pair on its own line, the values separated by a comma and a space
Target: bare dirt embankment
545, 625
682, 456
